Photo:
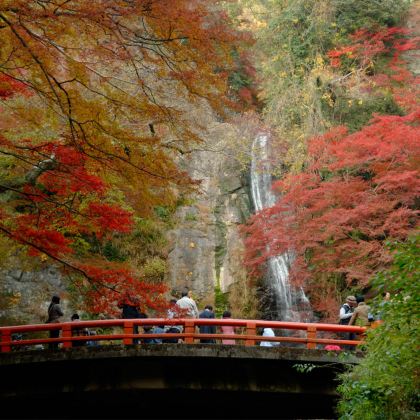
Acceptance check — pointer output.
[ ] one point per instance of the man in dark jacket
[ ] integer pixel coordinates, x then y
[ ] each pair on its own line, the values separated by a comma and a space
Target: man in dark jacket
207, 329
131, 310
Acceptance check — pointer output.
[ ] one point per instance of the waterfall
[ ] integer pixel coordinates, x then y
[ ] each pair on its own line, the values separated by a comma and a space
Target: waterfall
291, 303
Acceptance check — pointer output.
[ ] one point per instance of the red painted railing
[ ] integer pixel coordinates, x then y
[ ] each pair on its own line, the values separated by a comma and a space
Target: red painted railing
308, 334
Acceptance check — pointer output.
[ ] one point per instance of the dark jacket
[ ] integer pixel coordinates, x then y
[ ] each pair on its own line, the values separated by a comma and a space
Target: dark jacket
130, 312
346, 312
207, 329
54, 313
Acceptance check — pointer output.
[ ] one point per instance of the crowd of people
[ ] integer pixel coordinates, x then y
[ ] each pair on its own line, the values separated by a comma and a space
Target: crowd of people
185, 307
353, 312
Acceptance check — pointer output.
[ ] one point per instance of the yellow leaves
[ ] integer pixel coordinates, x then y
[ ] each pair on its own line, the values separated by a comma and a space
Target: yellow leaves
319, 61
327, 97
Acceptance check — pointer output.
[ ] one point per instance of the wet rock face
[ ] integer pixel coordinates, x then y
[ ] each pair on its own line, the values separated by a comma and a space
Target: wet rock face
206, 247
25, 296
413, 25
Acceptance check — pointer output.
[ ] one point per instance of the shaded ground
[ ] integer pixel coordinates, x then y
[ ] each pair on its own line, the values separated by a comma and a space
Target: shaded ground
169, 381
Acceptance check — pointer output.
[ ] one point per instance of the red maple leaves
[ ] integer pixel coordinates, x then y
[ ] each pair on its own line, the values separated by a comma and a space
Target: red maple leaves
10, 86
366, 45
358, 192
109, 83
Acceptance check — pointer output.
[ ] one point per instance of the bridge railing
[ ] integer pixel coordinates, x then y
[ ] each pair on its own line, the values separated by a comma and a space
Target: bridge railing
306, 334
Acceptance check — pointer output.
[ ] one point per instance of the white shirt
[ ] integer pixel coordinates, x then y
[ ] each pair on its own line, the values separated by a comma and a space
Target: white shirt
343, 314
268, 332
188, 304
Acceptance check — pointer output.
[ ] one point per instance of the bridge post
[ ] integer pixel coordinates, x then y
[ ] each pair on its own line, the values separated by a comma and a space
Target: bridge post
311, 334
128, 329
66, 333
5, 336
251, 329
189, 330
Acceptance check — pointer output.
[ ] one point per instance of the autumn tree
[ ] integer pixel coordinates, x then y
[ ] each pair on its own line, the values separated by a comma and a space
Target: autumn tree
90, 130
358, 192
358, 188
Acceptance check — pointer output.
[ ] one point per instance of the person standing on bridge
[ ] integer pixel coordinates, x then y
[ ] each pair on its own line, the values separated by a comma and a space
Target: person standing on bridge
360, 315
188, 304
228, 329
173, 312
54, 316
207, 329
131, 310
346, 312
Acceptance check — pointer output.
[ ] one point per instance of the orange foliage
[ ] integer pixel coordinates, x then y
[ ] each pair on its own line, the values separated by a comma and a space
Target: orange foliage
85, 84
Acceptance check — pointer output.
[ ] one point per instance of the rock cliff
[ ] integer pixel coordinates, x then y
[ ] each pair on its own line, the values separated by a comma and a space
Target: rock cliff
206, 247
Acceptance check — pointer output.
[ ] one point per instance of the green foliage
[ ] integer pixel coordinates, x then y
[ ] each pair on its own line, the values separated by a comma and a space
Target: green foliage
304, 367
155, 269
239, 78
81, 246
356, 114
303, 95
385, 384
149, 233
221, 302
352, 15
185, 200
163, 212
113, 253
191, 217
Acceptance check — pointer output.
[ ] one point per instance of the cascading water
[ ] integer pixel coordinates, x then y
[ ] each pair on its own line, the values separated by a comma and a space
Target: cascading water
291, 304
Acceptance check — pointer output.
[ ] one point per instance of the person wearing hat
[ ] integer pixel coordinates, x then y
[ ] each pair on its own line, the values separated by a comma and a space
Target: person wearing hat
346, 312
361, 314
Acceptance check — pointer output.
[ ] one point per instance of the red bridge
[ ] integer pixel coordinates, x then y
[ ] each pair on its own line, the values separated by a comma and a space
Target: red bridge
118, 379
308, 334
